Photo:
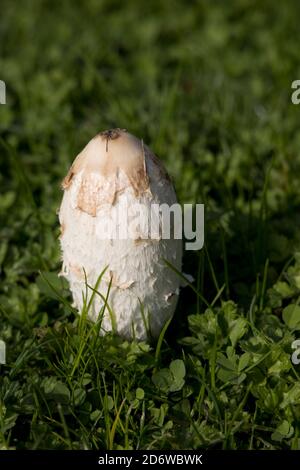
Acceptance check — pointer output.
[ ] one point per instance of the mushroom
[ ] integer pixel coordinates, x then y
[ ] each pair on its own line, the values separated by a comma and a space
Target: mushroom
112, 175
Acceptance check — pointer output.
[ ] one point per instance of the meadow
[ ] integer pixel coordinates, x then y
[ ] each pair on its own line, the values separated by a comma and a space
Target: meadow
207, 85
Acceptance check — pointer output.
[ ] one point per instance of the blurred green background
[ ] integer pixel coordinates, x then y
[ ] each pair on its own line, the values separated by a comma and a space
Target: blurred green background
207, 85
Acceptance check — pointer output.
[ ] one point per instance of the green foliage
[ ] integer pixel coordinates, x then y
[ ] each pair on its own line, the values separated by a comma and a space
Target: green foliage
207, 85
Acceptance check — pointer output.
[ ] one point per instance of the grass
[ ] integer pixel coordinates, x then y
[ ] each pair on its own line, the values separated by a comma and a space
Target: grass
208, 87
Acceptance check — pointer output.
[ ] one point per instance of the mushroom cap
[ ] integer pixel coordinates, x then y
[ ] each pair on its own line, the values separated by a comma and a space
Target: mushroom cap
113, 169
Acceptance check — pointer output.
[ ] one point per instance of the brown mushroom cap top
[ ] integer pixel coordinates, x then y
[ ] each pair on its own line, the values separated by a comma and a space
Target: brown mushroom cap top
109, 152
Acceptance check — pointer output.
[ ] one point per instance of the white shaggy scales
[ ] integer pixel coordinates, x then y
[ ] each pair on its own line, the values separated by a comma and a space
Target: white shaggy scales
116, 170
